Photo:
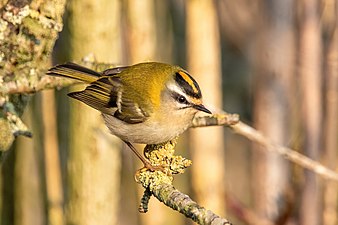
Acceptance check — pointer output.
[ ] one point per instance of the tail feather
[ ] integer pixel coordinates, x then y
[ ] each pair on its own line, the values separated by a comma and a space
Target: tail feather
74, 71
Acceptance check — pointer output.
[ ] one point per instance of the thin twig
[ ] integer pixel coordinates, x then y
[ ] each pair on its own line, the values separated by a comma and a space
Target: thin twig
257, 137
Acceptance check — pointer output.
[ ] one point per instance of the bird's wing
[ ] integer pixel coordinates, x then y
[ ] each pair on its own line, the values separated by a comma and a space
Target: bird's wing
129, 111
101, 94
108, 96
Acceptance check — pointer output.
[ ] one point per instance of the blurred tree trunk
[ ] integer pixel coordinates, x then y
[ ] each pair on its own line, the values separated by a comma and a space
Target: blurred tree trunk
94, 154
141, 30
29, 187
207, 145
7, 190
54, 186
273, 61
331, 114
310, 70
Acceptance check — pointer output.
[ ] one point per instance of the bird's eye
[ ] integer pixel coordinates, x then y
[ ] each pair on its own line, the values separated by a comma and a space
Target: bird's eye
181, 99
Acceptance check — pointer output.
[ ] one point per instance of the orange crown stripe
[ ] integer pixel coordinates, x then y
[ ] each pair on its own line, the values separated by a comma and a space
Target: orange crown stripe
188, 80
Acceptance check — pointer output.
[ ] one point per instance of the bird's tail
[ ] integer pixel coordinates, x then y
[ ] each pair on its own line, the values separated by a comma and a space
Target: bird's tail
74, 71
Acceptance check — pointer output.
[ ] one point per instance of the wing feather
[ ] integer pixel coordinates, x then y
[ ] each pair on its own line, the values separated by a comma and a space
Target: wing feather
105, 91
92, 101
107, 95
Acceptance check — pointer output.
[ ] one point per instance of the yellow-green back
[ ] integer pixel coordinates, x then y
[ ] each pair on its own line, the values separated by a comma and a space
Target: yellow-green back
151, 78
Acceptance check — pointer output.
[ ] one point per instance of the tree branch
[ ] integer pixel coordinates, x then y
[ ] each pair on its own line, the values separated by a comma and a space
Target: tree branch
159, 184
254, 135
182, 203
27, 35
46, 82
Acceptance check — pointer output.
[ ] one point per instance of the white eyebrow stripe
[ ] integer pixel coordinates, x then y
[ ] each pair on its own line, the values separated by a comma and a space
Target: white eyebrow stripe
174, 88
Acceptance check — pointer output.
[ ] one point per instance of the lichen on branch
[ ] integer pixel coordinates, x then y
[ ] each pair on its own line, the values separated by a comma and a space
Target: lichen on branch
28, 31
159, 184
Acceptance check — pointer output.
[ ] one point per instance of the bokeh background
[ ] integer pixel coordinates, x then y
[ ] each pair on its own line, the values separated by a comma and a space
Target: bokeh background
273, 62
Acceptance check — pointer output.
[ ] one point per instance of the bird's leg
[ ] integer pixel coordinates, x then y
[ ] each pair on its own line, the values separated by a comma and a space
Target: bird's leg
145, 162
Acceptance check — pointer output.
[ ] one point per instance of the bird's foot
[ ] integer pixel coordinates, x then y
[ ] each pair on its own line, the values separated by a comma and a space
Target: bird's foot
148, 167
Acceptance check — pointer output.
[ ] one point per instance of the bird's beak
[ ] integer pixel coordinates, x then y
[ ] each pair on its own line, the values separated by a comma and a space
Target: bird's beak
202, 108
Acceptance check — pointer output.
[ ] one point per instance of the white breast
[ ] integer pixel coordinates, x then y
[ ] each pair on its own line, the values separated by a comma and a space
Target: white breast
148, 132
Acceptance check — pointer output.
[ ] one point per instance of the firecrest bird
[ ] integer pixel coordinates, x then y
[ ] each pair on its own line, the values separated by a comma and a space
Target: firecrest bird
146, 103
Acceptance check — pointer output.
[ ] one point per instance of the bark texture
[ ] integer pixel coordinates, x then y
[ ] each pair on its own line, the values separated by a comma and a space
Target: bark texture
28, 30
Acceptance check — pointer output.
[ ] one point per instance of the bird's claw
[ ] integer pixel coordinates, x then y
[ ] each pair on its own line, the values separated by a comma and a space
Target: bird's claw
148, 167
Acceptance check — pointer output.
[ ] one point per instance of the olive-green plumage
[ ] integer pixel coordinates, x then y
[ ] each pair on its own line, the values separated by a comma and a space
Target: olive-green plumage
107, 87
149, 77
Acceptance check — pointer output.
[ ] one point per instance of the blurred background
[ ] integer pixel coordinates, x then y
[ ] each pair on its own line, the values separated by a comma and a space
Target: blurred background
272, 62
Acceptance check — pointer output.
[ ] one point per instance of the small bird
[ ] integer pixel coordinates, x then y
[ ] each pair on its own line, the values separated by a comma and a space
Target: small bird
146, 103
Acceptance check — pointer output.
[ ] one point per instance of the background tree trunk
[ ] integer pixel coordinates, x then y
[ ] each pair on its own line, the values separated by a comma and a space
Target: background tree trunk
29, 198
52, 165
207, 145
273, 62
94, 154
331, 112
310, 70
141, 27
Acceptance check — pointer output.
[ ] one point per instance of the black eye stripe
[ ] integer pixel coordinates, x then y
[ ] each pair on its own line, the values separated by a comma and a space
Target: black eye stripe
188, 85
180, 98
